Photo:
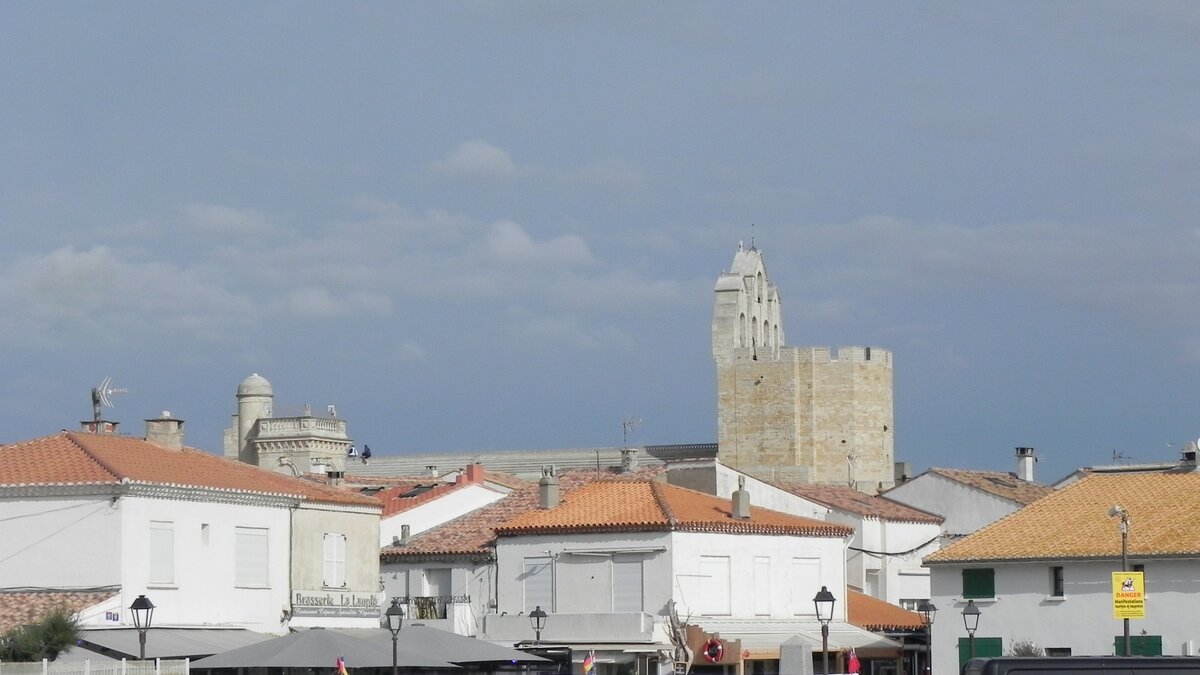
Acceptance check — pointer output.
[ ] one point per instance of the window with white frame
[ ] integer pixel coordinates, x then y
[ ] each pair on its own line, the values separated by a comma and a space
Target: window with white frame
335, 560
250, 557
714, 569
627, 582
162, 552
762, 585
538, 581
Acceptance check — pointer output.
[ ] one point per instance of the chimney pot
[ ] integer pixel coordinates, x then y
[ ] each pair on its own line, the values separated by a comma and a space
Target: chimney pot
548, 489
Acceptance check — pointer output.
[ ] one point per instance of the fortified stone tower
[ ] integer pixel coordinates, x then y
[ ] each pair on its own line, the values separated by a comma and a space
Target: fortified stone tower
292, 445
795, 413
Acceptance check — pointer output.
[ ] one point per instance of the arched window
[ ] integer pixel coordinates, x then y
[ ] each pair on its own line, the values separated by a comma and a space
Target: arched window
740, 331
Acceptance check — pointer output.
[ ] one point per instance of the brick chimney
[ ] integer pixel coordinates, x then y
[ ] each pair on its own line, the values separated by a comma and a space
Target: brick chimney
473, 473
165, 431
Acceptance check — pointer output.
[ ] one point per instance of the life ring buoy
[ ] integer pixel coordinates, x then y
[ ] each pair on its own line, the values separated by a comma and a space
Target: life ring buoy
714, 650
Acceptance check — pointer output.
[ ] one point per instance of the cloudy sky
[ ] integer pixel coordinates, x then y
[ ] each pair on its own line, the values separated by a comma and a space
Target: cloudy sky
497, 225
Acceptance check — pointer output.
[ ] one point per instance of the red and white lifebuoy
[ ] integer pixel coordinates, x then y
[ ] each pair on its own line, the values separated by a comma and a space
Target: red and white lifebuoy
714, 650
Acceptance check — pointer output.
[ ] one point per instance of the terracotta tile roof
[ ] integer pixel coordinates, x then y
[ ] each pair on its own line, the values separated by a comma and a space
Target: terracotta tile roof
1073, 522
874, 614
648, 505
474, 534
400, 498
852, 501
18, 608
78, 458
998, 483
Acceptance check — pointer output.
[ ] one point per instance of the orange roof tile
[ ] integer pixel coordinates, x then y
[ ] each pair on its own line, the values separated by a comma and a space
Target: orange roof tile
648, 505
474, 535
18, 608
78, 458
1073, 522
874, 614
850, 500
998, 483
400, 498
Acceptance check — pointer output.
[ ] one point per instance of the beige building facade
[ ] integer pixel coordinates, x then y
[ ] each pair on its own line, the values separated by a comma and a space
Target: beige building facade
808, 414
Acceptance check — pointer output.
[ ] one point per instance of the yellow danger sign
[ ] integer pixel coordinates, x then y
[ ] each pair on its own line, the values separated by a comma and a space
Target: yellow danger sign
1129, 595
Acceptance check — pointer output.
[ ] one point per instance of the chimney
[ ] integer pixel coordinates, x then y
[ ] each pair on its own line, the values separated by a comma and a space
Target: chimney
405, 534
1188, 459
548, 489
628, 460
432, 469
473, 473
741, 500
1025, 462
99, 427
165, 431
335, 477
901, 471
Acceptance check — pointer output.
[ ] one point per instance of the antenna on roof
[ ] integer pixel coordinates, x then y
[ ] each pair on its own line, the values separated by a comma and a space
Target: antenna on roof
629, 423
100, 397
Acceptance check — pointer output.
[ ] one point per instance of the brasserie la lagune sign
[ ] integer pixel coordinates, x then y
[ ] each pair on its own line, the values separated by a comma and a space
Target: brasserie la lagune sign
335, 603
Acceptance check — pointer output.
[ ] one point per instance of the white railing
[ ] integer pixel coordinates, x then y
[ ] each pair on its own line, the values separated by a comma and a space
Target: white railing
105, 667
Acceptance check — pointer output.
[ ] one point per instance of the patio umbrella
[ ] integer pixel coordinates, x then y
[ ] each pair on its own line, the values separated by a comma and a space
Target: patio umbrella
445, 645
319, 648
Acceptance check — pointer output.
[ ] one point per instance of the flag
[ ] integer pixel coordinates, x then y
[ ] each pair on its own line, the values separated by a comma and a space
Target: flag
854, 665
341, 666
589, 662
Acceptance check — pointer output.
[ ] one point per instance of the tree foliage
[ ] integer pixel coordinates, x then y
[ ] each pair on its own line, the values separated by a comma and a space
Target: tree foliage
51, 635
1025, 648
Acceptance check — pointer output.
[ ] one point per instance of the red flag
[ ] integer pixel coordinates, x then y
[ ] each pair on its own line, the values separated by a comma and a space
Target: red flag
341, 666
854, 665
589, 662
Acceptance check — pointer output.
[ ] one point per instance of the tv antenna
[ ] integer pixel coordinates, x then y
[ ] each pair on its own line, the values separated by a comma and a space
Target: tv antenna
629, 423
101, 394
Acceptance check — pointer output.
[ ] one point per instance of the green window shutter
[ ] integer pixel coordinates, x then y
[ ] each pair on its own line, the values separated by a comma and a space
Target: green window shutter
1139, 645
979, 583
985, 647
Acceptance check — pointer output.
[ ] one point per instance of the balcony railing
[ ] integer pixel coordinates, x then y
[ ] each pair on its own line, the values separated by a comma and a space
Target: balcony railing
431, 606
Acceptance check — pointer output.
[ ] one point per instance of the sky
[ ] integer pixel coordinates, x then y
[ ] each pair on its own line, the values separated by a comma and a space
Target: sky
497, 225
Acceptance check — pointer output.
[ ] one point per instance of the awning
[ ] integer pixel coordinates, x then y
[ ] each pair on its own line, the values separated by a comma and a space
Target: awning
171, 643
762, 638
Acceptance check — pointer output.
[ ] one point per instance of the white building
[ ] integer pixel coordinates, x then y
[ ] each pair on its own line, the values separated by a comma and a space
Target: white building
212, 542
1043, 575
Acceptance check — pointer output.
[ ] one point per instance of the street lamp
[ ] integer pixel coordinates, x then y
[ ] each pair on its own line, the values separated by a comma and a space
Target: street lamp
824, 603
927, 610
537, 619
395, 619
971, 621
1118, 512
143, 612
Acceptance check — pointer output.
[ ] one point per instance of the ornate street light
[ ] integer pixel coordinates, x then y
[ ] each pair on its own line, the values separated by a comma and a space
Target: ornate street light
824, 603
395, 620
537, 619
143, 613
1118, 512
971, 622
927, 610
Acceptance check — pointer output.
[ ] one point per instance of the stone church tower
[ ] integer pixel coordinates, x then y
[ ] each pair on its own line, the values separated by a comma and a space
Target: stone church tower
795, 413
291, 445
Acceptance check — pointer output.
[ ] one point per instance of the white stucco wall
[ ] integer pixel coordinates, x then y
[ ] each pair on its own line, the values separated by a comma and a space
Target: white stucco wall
475, 581
60, 542
433, 513
965, 508
1082, 620
767, 496
887, 568
203, 592
360, 526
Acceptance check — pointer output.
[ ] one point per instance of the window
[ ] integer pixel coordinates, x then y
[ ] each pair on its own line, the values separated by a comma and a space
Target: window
984, 647
1058, 651
250, 557
627, 582
979, 583
162, 552
715, 601
806, 580
335, 560
538, 579
762, 585
1056, 581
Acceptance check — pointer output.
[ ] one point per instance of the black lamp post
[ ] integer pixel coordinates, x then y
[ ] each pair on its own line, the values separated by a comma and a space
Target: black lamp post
395, 619
824, 603
143, 613
1118, 512
537, 619
971, 621
927, 610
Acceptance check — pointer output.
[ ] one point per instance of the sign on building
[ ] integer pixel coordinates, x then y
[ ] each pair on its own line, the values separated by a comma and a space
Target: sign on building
1128, 595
